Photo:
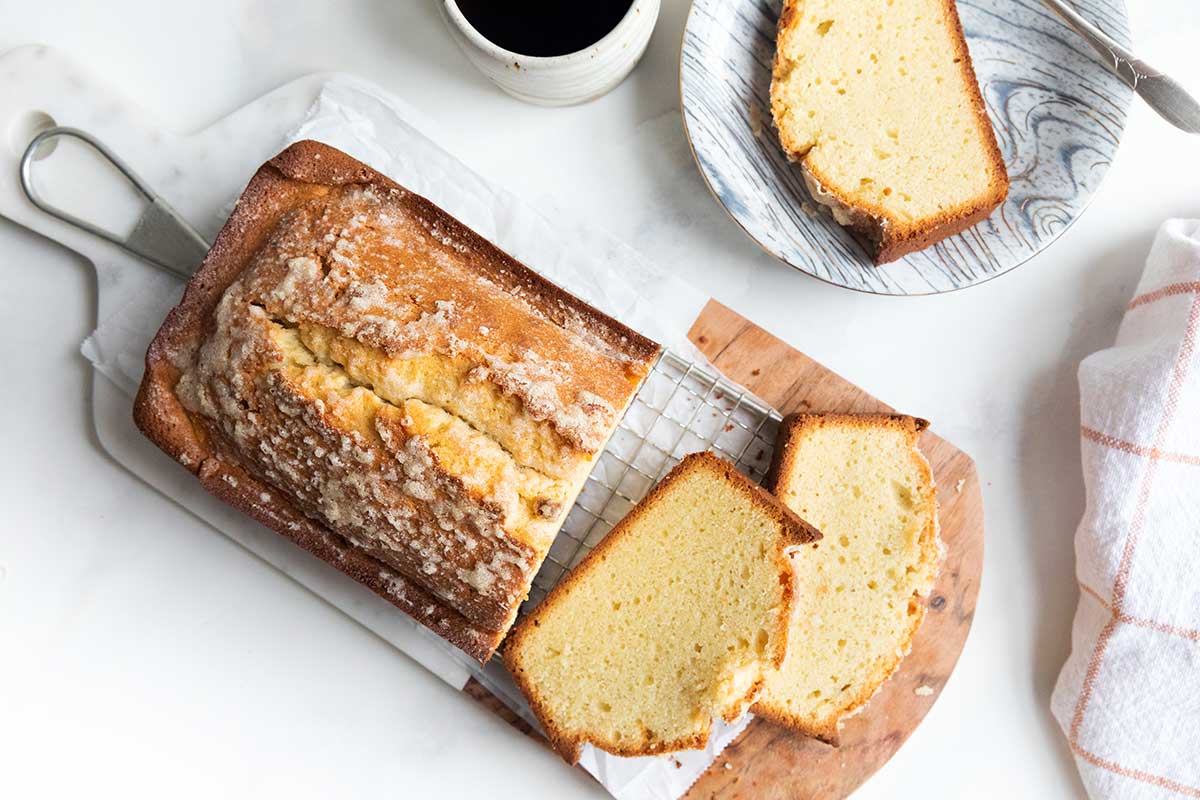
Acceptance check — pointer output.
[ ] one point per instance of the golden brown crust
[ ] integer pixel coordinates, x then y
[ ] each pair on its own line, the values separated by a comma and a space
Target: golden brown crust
796, 531
238, 488
313, 162
782, 464
896, 241
305, 173
783, 457
888, 239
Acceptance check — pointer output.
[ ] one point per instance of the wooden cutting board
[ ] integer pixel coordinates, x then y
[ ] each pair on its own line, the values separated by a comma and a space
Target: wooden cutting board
767, 762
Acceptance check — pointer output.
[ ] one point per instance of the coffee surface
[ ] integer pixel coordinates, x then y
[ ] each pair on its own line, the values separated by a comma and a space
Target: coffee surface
543, 27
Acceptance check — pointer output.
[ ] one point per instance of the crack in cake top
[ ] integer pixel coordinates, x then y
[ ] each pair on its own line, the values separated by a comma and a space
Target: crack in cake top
361, 261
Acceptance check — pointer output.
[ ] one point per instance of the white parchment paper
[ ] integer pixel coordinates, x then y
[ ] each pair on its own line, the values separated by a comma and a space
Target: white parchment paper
383, 132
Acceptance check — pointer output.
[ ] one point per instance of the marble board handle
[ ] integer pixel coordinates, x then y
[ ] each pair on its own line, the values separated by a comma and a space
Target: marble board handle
161, 237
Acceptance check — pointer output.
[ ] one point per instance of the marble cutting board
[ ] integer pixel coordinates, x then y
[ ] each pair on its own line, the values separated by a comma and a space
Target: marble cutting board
197, 173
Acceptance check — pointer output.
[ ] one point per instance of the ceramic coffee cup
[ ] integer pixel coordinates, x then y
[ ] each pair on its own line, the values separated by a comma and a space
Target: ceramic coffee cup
559, 80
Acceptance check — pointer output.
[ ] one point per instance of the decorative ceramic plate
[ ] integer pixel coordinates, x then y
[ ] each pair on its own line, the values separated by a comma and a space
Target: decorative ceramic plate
1058, 116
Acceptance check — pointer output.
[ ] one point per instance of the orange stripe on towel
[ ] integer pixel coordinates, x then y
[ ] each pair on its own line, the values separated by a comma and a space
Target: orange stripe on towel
1191, 634
1171, 290
1113, 442
1136, 774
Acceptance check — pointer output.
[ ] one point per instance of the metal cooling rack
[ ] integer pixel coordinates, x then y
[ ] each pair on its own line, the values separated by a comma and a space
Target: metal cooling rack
681, 408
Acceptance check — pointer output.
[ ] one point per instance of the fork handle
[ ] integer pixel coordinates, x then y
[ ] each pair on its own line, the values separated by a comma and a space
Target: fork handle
1170, 100
1116, 57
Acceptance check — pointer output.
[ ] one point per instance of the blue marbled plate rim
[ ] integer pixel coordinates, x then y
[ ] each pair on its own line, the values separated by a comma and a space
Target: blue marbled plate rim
1059, 116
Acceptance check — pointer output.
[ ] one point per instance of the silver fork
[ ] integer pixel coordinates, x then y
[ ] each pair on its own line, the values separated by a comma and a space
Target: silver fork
1159, 91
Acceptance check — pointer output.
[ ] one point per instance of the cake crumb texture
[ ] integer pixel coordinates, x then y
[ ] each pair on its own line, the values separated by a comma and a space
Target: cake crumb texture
672, 621
860, 592
878, 101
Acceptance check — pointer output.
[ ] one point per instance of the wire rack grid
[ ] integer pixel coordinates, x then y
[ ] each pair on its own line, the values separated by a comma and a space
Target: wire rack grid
681, 408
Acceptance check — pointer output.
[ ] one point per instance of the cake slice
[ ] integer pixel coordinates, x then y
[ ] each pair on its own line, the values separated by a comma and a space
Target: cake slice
860, 590
673, 620
879, 103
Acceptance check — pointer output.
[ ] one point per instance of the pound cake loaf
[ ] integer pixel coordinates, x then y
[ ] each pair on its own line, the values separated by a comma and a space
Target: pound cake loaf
672, 621
879, 103
860, 593
360, 372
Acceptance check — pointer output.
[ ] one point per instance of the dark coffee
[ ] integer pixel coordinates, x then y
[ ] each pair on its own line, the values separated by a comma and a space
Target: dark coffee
544, 27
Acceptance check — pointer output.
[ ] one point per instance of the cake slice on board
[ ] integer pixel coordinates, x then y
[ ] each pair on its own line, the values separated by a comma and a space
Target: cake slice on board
879, 103
673, 620
859, 594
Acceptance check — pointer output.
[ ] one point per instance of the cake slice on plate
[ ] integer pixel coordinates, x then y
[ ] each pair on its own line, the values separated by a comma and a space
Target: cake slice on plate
673, 620
860, 591
879, 103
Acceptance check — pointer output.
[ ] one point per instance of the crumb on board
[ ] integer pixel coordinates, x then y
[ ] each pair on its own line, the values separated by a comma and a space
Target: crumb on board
727, 765
923, 691
958, 486
756, 120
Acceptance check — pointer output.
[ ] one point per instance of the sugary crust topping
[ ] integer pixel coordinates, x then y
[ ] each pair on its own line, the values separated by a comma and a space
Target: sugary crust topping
239, 488
359, 473
361, 262
315, 376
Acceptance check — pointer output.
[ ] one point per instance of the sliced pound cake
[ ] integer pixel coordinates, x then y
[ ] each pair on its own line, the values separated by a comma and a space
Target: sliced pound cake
860, 590
365, 375
879, 102
673, 620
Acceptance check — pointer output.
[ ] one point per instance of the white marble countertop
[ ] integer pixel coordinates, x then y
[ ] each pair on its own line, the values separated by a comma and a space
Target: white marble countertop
144, 654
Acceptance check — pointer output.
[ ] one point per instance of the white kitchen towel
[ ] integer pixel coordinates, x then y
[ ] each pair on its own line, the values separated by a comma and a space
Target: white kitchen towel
1128, 698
